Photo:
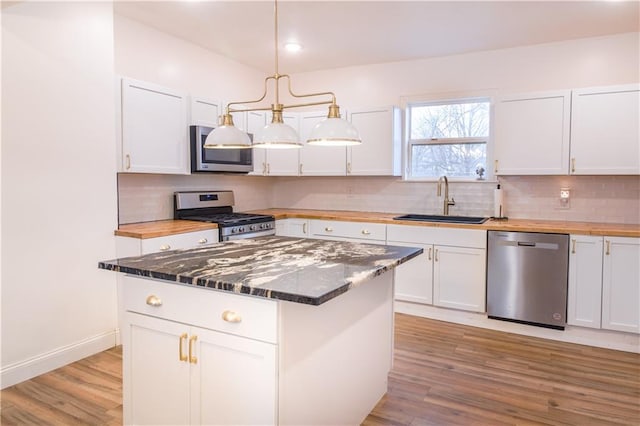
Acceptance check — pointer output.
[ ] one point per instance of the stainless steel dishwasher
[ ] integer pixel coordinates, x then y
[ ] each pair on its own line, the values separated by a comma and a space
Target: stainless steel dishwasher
527, 274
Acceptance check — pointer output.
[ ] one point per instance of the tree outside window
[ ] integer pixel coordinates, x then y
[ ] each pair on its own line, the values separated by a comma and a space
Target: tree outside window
448, 138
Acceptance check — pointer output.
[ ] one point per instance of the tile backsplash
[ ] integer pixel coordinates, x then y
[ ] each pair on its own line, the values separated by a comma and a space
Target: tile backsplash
148, 197
611, 199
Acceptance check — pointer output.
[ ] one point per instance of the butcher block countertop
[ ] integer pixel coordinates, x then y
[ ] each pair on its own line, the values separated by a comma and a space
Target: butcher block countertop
162, 228
170, 227
523, 225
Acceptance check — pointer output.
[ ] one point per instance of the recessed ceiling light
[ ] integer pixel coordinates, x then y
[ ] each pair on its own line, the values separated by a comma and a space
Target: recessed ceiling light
293, 47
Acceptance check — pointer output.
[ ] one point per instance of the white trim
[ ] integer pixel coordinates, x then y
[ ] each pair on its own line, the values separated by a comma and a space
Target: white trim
40, 364
627, 342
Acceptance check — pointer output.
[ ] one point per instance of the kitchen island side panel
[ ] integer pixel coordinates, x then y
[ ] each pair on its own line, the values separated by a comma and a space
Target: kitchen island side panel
335, 358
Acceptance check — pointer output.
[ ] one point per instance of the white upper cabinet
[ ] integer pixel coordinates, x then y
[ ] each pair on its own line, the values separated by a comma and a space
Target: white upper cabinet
154, 129
532, 134
604, 130
319, 160
205, 112
273, 162
381, 149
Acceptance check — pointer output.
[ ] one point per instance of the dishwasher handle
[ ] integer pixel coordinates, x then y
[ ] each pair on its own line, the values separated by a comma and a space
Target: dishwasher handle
526, 243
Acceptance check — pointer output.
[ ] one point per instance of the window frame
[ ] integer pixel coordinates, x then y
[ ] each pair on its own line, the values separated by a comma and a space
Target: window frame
410, 143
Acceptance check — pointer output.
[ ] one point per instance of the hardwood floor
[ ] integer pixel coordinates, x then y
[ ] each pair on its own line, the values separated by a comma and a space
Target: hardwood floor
449, 374
87, 392
444, 374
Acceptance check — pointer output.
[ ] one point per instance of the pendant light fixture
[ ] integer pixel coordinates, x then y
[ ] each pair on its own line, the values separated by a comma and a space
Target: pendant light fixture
333, 131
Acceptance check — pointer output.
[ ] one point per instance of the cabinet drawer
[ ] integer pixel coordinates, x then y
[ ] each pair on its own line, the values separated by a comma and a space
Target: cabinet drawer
256, 318
476, 238
359, 230
178, 241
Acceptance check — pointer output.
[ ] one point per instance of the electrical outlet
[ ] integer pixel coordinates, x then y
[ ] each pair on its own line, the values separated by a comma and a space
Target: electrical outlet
565, 198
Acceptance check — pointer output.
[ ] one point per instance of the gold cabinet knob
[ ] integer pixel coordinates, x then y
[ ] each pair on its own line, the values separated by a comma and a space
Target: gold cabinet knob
154, 301
230, 316
203, 241
366, 232
328, 229
165, 247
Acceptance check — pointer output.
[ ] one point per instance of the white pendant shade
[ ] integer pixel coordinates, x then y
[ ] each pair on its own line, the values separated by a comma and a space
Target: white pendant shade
277, 136
334, 132
227, 137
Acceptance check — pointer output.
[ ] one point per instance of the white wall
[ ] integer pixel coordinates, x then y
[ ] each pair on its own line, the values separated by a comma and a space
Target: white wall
144, 53
563, 65
58, 185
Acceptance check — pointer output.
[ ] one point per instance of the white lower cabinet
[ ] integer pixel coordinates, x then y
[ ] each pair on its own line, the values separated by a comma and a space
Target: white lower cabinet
451, 272
621, 284
604, 283
459, 278
584, 297
183, 364
413, 282
190, 375
198, 356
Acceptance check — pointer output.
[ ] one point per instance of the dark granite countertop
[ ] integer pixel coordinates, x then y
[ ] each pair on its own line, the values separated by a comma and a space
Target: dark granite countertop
292, 269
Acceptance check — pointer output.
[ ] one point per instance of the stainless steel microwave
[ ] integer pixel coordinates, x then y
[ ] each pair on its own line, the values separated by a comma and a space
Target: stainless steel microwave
217, 160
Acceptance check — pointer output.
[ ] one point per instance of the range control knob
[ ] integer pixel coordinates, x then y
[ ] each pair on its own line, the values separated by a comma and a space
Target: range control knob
252, 227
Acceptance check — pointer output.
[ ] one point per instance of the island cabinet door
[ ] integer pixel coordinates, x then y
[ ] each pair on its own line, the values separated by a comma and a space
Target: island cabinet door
155, 379
233, 380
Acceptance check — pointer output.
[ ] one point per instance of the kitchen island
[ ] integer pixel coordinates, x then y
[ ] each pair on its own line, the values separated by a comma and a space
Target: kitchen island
272, 330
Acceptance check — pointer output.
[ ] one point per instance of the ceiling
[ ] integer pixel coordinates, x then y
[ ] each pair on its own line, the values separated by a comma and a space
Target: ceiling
346, 33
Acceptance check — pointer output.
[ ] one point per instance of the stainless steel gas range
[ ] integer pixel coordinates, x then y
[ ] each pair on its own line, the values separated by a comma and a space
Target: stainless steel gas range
217, 207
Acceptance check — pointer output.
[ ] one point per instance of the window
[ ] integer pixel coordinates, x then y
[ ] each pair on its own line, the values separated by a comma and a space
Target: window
448, 138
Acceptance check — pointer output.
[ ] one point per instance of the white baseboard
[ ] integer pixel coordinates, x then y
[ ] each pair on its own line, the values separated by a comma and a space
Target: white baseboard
35, 366
628, 342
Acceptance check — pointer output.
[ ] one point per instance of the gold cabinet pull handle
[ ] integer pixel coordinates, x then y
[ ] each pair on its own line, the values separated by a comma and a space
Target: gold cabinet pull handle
183, 338
203, 241
264, 168
230, 316
429, 255
349, 168
573, 165
304, 228
573, 246
300, 169
154, 301
328, 229
495, 166
436, 255
268, 168
366, 232
165, 247
608, 252
192, 358
128, 162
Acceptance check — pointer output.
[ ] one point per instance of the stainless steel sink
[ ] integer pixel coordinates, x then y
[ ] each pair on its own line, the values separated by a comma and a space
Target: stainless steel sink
440, 218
